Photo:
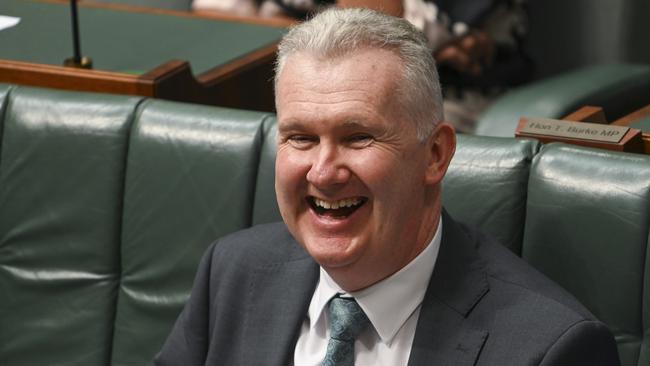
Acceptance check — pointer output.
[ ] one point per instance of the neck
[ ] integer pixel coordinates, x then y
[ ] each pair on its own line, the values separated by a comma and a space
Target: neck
353, 279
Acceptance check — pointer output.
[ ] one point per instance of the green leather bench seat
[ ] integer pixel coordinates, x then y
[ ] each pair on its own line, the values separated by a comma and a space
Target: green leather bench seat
587, 228
486, 185
61, 172
191, 173
618, 88
266, 207
4, 90
108, 202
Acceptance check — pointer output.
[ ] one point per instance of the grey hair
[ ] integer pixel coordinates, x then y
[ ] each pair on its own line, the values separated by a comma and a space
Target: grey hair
337, 32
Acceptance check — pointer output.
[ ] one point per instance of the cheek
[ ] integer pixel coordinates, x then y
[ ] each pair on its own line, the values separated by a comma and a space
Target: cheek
290, 173
378, 171
392, 182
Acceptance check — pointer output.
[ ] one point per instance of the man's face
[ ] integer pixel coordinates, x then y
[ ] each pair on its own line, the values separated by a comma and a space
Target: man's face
354, 184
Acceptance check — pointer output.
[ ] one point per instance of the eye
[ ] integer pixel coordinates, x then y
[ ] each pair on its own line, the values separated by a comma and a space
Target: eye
360, 140
301, 141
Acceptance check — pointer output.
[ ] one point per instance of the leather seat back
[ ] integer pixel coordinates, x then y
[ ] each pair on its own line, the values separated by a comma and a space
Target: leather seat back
61, 179
190, 179
108, 202
266, 207
106, 205
486, 185
587, 228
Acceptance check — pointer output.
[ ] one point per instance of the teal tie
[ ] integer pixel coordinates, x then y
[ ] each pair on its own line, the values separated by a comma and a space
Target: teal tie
347, 320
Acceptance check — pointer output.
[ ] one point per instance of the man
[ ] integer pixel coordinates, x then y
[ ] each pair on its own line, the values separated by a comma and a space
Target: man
367, 269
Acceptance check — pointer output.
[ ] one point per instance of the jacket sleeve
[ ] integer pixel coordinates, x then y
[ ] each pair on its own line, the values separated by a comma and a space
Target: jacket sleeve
585, 343
187, 344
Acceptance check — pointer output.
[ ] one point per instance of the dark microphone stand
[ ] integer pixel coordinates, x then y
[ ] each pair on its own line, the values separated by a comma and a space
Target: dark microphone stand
77, 60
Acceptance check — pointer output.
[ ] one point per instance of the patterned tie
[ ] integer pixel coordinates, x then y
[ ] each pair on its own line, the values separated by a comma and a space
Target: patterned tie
347, 320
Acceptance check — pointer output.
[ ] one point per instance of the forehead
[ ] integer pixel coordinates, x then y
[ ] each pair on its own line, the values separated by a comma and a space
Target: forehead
365, 79
353, 66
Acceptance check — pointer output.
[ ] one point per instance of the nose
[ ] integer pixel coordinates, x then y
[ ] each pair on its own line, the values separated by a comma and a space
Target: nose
328, 169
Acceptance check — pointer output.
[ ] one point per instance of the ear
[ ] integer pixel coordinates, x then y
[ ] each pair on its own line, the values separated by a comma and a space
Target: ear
441, 146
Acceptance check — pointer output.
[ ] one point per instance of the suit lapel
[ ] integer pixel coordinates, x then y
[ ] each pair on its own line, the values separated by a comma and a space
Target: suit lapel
280, 297
443, 335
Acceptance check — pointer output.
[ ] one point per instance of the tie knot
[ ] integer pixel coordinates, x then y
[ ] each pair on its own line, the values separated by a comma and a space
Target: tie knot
347, 319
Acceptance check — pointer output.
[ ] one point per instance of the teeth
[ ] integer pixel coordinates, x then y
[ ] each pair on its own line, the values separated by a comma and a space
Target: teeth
348, 202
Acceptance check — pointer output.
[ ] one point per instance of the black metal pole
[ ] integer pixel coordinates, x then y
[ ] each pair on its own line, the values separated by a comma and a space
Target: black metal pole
75, 32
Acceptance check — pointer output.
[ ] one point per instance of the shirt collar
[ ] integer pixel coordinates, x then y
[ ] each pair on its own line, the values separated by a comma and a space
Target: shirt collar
390, 302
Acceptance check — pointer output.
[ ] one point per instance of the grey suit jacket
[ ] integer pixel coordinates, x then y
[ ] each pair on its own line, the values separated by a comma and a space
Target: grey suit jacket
483, 306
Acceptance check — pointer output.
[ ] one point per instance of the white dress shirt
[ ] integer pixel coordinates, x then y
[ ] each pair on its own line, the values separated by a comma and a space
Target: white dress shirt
392, 305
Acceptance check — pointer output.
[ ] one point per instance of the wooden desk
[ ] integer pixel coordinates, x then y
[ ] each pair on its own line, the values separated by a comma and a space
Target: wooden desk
636, 139
163, 54
639, 119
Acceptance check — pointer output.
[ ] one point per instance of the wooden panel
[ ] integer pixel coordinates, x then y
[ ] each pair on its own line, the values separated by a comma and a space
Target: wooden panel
73, 79
633, 117
632, 141
587, 114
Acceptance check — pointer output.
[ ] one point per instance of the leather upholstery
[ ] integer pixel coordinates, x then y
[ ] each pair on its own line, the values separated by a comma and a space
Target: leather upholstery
4, 89
618, 88
61, 173
592, 234
190, 175
492, 172
107, 203
266, 207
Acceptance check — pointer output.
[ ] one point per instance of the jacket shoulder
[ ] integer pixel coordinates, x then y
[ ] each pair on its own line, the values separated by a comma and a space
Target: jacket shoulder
259, 245
508, 272
531, 317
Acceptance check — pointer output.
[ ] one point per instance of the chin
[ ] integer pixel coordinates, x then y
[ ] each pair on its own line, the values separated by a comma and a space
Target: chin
332, 252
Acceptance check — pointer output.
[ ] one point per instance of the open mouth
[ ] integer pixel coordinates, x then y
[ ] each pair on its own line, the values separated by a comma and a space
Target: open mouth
338, 209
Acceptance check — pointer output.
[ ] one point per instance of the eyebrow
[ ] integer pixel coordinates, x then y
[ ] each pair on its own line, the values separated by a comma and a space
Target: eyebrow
352, 124
290, 126
297, 124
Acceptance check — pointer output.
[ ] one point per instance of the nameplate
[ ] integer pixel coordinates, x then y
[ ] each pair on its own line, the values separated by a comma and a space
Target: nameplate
573, 130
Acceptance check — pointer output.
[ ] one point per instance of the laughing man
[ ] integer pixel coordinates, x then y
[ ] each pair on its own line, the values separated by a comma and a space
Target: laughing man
367, 268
